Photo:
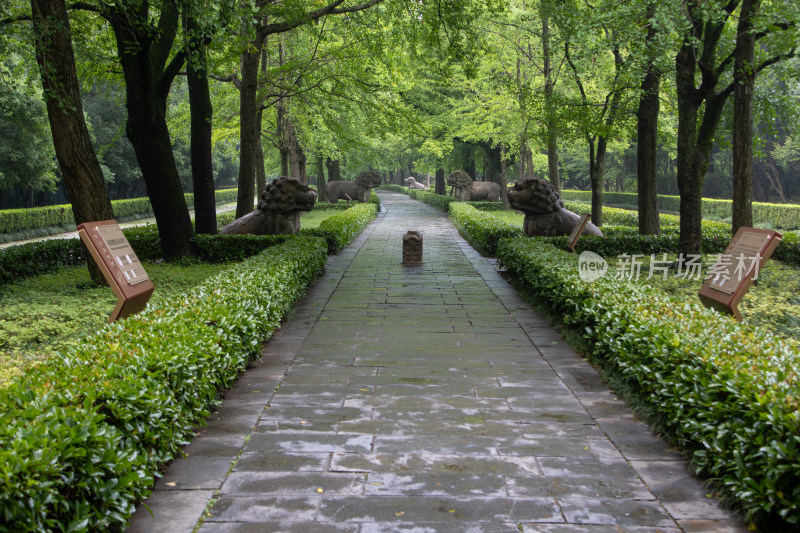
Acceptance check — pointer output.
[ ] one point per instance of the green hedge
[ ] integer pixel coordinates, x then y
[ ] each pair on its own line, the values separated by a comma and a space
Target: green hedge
435, 200
394, 188
17, 220
483, 230
46, 256
82, 437
726, 393
785, 216
340, 230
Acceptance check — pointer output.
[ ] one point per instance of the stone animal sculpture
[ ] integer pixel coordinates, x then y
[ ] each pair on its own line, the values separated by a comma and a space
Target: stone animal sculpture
544, 211
411, 183
467, 190
358, 190
278, 211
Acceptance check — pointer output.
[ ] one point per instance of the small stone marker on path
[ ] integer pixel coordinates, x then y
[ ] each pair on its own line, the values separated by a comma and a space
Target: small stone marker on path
117, 261
412, 248
737, 268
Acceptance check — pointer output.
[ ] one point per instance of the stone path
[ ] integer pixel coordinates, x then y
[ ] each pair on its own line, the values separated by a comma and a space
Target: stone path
424, 398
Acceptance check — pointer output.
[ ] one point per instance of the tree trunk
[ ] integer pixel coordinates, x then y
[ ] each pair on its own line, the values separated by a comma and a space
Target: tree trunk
596, 178
503, 178
494, 156
744, 86
201, 110
77, 160
549, 108
322, 195
249, 133
646, 151
441, 187
148, 77
334, 171
261, 175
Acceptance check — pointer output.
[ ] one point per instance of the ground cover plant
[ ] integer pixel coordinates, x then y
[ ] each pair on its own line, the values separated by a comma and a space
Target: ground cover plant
82, 437
726, 393
46, 314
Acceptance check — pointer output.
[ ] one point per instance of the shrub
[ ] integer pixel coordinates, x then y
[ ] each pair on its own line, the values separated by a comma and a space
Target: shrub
481, 228
435, 200
35, 258
727, 393
339, 230
20, 220
394, 188
786, 216
82, 437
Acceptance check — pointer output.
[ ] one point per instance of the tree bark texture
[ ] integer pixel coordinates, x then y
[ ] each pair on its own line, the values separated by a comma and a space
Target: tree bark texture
744, 87
77, 159
550, 119
335, 171
647, 149
201, 111
321, 185
143, 56
249, 130
441, 186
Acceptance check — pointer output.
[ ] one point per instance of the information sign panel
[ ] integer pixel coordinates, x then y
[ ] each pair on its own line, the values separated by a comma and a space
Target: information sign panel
737, 268
122, 269
577, 231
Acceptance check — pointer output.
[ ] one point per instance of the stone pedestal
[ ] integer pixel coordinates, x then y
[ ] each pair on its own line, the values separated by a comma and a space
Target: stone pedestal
412, 248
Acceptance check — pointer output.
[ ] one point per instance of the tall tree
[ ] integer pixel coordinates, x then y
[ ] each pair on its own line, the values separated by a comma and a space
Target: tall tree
77, 159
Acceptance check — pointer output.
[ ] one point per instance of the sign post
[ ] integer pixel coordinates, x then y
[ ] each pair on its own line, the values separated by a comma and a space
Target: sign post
120, 266
577, 231
736, 269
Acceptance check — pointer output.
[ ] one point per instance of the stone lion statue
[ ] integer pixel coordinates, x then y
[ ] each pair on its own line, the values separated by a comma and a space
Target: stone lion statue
411, 183
278, 211
467, 190
545, 214
358, 190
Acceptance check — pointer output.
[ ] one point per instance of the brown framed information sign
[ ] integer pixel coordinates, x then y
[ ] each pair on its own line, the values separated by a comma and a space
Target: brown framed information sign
737, 268
122, 269
577, 231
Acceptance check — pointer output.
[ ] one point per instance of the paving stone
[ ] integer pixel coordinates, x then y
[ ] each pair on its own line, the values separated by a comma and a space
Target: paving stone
428, 399
170, 512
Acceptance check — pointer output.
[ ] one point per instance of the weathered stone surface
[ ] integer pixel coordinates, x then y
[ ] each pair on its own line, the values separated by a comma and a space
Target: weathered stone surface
545, 214
467, 190
426, 399
357, 191
278, 210
412, 248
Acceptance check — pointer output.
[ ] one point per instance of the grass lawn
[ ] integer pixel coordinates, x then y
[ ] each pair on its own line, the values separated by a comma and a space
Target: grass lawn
773, 302
41, 315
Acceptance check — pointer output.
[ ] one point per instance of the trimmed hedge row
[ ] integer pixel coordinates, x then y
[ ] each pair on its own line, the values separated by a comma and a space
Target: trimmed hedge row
46, 256
785, 216
726, 393
82, 437
340, 230
14, 220
394, 188
482, 229
435, 200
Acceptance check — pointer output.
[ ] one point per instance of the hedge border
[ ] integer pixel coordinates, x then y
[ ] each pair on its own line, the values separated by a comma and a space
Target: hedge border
782, 216
732, 406
60, 216
83, 436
